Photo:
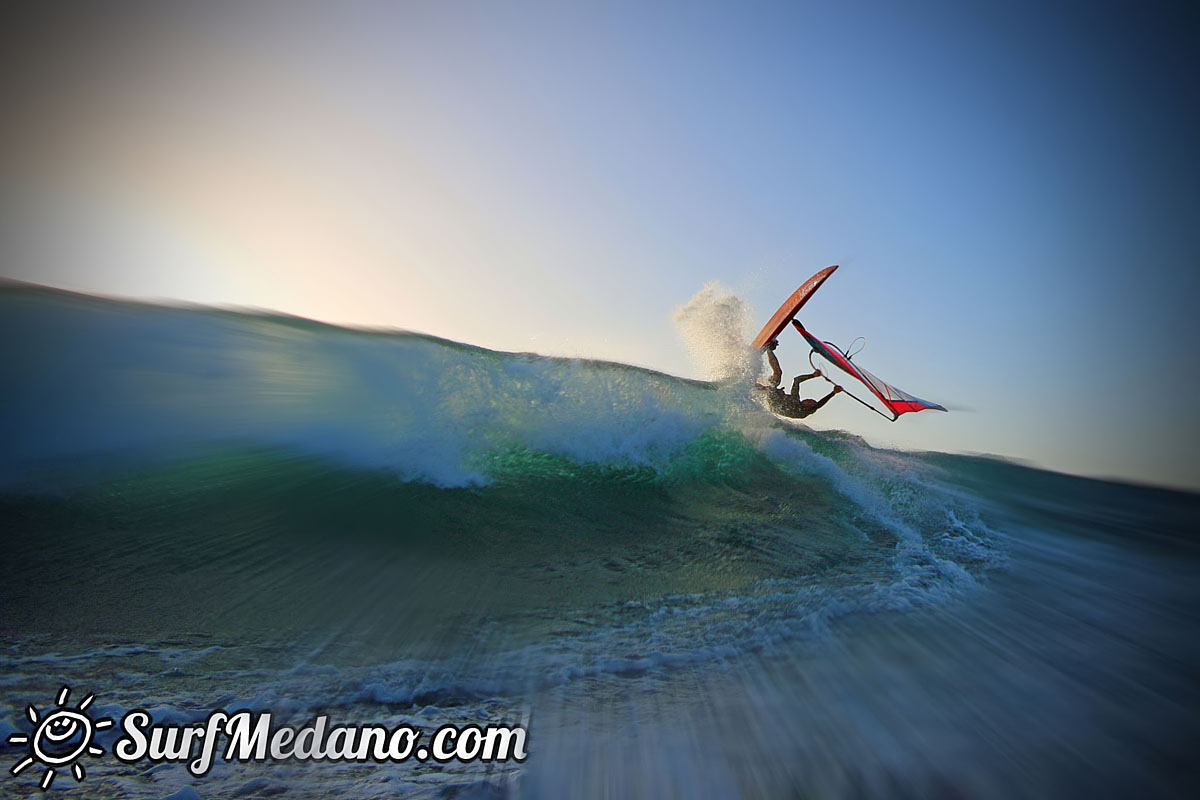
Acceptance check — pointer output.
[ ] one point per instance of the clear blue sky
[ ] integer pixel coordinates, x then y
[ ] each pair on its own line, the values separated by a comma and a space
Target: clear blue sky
1012, 189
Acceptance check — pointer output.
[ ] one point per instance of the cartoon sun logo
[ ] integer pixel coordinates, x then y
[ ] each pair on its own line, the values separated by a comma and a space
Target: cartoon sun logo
60, 738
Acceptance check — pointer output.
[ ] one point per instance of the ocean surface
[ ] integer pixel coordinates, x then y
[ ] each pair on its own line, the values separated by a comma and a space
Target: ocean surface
676, 593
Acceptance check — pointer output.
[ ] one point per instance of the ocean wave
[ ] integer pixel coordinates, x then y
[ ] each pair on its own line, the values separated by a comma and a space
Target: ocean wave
97, 380
355, 470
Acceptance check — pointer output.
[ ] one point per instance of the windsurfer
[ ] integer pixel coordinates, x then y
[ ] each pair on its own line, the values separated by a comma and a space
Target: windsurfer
782, 403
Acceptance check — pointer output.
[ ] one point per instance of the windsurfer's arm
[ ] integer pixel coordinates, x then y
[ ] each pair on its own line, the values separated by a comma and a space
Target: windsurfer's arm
776, 372
826, 398
801, 379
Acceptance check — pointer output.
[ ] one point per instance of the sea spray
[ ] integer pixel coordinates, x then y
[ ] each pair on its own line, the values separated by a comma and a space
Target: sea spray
715, 327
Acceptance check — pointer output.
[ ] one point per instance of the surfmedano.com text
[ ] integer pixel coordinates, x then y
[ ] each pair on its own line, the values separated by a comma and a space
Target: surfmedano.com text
251, 737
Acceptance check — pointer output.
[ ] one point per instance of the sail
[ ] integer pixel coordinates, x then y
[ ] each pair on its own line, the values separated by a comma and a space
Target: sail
896, 400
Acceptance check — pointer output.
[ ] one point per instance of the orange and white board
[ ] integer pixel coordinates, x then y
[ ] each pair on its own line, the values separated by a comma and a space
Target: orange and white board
790, 306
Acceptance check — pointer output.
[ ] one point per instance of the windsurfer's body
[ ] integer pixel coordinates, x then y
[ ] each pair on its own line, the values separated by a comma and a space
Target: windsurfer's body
789, 405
